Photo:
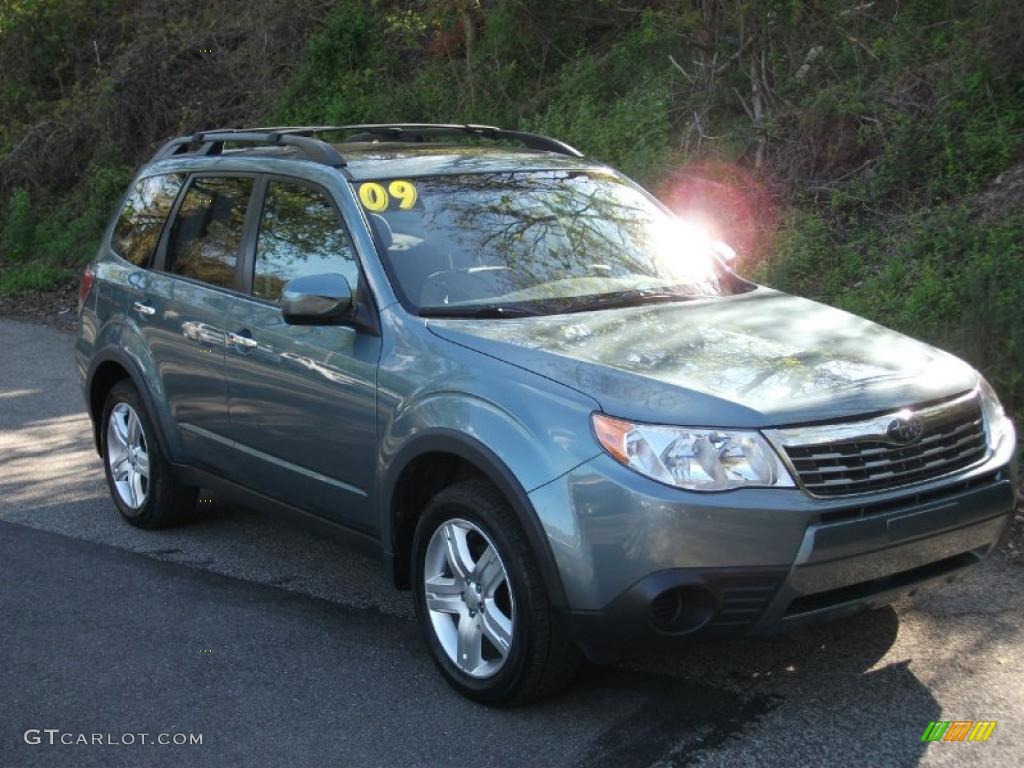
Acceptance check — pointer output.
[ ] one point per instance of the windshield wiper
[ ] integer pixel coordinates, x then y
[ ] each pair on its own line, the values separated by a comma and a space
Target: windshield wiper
579, 304
478, 311
627, 299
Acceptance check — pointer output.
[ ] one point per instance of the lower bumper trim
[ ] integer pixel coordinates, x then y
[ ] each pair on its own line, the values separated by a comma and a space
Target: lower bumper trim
832, 598
761, 601
740, 596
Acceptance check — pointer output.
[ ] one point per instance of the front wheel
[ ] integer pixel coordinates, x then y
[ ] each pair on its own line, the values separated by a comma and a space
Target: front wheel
481, 602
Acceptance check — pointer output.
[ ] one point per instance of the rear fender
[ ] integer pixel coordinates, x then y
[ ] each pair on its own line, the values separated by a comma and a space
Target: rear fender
117, 343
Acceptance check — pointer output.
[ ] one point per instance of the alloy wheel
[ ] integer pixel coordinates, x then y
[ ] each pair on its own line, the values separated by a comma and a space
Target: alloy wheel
128, 455
469, 598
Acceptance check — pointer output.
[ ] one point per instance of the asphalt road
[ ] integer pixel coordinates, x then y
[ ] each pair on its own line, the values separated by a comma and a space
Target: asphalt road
283, 649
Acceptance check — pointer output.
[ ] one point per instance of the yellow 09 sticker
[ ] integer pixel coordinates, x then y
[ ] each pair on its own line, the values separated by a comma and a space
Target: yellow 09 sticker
377, 198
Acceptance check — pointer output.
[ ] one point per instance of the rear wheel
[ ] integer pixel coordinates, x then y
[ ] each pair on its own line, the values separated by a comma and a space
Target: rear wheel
481, 602
141, 481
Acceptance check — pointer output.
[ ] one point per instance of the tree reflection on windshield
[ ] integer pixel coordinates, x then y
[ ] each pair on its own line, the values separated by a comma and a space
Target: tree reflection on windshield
552, 239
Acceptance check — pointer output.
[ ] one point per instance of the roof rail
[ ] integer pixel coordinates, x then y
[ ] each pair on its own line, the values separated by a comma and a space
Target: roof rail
423, 131
212, 143
418, 132
304, 138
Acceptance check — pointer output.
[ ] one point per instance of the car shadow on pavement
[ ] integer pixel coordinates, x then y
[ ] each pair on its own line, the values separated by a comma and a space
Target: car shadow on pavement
819, 695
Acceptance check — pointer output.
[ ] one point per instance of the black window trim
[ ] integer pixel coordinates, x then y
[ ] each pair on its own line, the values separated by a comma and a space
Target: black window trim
151, 260
159, 261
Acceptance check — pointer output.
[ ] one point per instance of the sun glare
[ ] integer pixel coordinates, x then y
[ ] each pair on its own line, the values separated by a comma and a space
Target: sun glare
686, 248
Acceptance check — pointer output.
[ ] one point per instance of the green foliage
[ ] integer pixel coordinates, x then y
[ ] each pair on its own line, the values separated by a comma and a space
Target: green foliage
45, 46
614, 105
368, 66
19, 227
70, 233
336, 78
37, 246
26, 278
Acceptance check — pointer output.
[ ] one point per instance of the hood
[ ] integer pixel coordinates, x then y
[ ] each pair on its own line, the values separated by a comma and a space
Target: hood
758, 359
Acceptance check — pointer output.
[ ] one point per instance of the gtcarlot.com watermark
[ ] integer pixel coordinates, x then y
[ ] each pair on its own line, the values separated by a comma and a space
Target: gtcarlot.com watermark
55, 737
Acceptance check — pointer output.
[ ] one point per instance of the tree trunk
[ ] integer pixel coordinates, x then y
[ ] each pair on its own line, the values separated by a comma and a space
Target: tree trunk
469, 29
758, 107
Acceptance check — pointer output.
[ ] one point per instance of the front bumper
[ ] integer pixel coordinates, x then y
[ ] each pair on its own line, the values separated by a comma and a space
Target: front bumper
645, 563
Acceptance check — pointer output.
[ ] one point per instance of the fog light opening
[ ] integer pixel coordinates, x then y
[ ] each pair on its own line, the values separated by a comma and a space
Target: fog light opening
682, 609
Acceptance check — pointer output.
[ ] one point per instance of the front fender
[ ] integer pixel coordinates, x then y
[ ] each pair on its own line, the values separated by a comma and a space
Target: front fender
533, 447
520, 429
471, 449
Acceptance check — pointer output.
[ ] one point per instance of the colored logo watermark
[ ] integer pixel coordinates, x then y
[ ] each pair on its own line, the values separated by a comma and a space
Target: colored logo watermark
958, 730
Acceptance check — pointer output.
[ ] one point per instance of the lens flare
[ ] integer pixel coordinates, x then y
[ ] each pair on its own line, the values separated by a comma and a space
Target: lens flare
727, 201
687, 246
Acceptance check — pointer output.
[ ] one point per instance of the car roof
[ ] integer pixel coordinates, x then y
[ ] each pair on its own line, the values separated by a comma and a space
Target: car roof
388, 160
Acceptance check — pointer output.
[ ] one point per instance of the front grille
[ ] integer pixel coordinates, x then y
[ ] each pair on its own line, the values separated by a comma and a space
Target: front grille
861, 457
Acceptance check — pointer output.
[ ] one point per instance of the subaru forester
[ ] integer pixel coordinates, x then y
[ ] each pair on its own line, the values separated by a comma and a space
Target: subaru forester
547, 404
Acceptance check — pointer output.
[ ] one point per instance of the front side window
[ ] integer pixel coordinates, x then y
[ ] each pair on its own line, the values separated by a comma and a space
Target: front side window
538, 242
207, 234
142, 219
300, 234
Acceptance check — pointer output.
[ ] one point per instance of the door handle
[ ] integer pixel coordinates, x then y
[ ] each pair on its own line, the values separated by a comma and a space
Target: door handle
143, 309
243, 341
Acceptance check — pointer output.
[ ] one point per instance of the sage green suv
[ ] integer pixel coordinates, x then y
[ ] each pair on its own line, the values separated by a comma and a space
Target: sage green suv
546, 404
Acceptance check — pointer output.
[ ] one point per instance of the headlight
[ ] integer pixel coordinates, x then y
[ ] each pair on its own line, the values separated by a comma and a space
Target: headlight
998, 426
694, 459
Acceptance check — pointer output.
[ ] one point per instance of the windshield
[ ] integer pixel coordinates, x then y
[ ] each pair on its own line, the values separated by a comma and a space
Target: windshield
536, 242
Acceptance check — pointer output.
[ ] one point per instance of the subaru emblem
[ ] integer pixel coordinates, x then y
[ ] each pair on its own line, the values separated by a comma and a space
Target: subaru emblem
905, 429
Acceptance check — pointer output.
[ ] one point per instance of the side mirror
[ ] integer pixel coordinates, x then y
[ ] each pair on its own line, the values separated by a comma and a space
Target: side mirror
317, 300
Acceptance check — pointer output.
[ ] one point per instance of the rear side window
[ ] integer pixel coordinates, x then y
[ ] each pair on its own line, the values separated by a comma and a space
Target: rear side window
300, 234
142, 219
207, 234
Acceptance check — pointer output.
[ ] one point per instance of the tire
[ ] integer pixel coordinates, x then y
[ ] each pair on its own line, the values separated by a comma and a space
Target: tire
538, 659
142, 483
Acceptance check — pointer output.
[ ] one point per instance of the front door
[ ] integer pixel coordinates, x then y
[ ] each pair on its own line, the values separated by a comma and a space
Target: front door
302, 399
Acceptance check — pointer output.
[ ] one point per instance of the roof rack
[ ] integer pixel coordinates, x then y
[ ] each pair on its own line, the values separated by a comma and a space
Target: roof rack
419, 132
212, 143
304, 138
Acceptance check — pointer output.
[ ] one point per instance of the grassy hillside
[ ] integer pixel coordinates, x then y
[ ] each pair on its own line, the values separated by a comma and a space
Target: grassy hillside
870, 154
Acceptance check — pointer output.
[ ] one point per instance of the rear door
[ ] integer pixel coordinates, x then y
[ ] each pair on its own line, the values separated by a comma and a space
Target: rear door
187, 299
303, 398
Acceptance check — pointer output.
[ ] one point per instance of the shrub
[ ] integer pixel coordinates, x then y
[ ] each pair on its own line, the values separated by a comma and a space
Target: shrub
26, 278
18, 231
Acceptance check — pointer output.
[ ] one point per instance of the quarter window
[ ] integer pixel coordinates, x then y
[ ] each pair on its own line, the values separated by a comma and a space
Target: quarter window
142, 219
300, 234
207, 235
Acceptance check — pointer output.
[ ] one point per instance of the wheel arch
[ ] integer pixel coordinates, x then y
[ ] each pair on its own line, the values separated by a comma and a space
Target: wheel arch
466, 455
108, 368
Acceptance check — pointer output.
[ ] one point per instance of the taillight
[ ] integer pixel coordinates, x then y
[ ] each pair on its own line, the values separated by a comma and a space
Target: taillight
84, 287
